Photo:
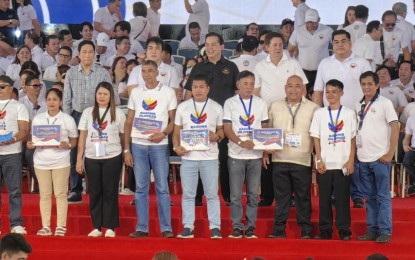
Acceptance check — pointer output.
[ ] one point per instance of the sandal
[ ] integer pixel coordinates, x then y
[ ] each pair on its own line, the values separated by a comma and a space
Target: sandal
45, 231
60, 231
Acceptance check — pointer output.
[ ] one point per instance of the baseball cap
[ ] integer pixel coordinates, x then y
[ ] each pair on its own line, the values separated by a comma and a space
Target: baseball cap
311, 15
287, 21
103, 39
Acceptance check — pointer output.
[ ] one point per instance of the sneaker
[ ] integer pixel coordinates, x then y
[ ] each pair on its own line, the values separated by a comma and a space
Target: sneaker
250, 233
186, 233
19, 230
74, 198
345, 235
306, 235
60, 231
139, 234
109, 233
45, 231
126, 192
215, 233
383, 238
324, 235
367, 237
411, 190
95, 233
236, 233
278, 234
168, 234
358, 203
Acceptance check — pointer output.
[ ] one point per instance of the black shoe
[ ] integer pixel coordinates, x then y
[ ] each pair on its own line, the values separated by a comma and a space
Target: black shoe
411, 190
345, 235
369, 236
167, 234
139, 234
383, 238
306, 235
358, 203
74, 198
278, 234
264, 203
236, 233
324, 235
250, 233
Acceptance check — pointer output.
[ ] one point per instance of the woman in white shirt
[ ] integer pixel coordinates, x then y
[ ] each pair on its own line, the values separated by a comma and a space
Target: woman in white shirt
100, 142
27, 18
52, 163
140, 26
23, 54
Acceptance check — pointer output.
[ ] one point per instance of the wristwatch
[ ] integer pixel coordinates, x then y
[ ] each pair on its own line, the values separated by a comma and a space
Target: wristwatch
239, 142
126, 151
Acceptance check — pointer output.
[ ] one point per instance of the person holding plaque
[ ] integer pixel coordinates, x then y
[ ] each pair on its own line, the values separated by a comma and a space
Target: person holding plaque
150, 119
201, 117
292, 165
54, 134
100, 143
14, 127
242, 114
334, 129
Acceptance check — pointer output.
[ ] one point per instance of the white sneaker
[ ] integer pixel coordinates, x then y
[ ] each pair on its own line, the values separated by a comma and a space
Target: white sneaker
109, 233
95, 233
19, 230
127, 192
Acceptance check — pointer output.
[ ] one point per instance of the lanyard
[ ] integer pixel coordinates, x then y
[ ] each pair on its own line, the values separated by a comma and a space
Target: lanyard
52, 122
291, 113
247, 112
203, 109
1, 110
100, 121
334, 125
364, 110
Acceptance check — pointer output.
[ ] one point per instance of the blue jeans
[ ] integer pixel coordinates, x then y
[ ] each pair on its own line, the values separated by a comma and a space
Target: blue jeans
209, 172
375, 177
157, 157
238, 169
356, 186
11, 174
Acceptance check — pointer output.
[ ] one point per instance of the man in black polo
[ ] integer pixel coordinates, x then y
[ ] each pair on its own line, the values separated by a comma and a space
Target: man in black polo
8, 19
222, 76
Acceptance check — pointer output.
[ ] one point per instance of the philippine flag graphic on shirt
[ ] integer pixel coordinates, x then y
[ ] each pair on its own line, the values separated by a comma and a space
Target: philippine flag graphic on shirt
103, 125
198, 119
243, 119
336, 128
149, 104
3, 115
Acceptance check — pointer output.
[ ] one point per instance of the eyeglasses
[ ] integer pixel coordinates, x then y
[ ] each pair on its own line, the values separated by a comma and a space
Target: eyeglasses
36, 85
390, 24
64, 55
4, 86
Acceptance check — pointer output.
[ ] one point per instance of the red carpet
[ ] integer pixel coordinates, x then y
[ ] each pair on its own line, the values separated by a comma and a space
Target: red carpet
77, 246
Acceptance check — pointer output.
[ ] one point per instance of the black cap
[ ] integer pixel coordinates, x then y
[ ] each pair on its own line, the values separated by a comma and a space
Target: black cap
287, 21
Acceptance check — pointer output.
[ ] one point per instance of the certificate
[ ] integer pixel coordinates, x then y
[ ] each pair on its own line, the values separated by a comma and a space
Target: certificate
5, 137
267, 139
195, 140
143, 128
46, 135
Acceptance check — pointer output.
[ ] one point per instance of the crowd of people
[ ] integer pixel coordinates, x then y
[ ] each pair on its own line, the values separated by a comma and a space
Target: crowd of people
338, 109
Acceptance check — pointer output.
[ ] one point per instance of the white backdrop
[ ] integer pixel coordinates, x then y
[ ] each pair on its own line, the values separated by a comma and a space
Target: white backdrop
268, 11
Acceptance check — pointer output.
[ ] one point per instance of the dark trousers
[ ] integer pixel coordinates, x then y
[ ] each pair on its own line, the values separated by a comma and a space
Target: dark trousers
103, 179
223, 169
329, 182
288, 178
75, 180
267, 189
311, 77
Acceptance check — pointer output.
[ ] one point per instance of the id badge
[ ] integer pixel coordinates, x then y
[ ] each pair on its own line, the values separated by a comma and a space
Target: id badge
359, 141
99, 149
293, 140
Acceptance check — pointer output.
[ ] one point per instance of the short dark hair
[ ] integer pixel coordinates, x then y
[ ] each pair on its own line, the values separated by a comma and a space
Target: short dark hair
388, 13
85, 42
381, 67
124, 26
62, 69
30, 78
63, 33
372, 25
213, 34
67, 49
168, 49
25, 72
249, 43
369, 73
247, 27
272, 35
200, 77
33, 36
157, 41
14, 243
132, 61
335, 83
16, 92
407, 62
82, 25
244, 74
140, 9
340, 32
361, 12
7, 79
194, 25
31, 66
57, 83
264, 32
377, 256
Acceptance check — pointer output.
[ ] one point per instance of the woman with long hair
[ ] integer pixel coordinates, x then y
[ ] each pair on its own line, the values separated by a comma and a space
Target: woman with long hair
23, 54
52, 163
349, 17
100, 157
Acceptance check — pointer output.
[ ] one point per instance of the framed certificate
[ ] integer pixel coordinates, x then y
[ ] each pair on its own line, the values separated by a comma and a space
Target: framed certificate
268, 139
195, 140
4, 137
46, 135
143, 128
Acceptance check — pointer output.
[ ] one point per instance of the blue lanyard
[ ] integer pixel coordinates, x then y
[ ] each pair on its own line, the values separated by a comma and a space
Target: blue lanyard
247, 112
335, 128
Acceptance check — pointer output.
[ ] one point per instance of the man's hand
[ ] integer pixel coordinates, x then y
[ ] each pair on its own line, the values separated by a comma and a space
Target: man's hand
156, 137
386, 158
180, 150
248, 144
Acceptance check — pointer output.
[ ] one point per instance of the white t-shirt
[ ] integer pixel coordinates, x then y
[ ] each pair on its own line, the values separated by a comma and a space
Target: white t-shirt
366, 48
134, 49
140, 25
13, 71
110, 136
348, 72
245, 62
152, 104
408, 111
110, 60
234, 113
375, 132
408, 89
356, 30
105, 18
167, 76
154, 20
394, 42
312, 48
26, 15
12, 112
54, 158
200, 15
334, 153
29, 105
213, 113
271, 79
395, 95
44, 60
187, 43
408, 29
36, 51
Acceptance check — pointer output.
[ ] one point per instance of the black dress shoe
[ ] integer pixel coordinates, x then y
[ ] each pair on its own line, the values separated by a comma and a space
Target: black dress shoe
324, 235
277, 234
264, 203
345, 235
